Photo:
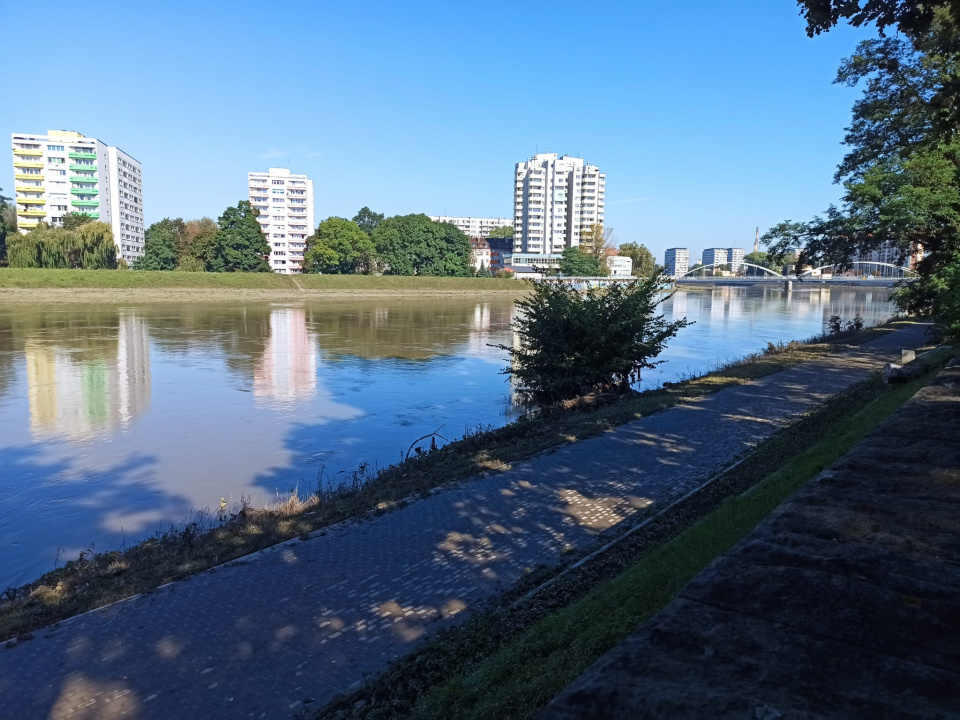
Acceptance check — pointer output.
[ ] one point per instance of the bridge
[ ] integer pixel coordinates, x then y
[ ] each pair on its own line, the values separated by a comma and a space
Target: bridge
866, 272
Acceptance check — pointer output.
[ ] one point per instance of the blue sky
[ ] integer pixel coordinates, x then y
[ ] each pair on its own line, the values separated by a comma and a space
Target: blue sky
708, 118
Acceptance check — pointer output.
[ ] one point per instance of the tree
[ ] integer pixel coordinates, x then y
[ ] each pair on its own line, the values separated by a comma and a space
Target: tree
595, 242
415, 245
72, 220
644, 263
572, 343
367, 220
239, 245
483, 271
902, 174
576, 263
757, 258
90, 247
199, 237
503, 231
8, 225
352, 247
160, 247
911, 17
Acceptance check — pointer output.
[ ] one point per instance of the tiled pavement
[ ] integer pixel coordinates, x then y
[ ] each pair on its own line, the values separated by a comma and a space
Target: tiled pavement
287, 629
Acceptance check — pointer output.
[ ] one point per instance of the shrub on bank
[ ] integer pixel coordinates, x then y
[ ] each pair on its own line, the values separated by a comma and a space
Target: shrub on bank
573, 343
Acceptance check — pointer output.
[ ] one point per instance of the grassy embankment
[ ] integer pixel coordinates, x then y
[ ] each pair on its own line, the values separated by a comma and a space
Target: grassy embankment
33, 284
209, 540
510, 661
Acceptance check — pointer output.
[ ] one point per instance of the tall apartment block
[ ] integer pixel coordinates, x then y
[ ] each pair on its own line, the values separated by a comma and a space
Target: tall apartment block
677, 261
735, 257
715, 256
474, 227
285, 202
556, 200
64, 171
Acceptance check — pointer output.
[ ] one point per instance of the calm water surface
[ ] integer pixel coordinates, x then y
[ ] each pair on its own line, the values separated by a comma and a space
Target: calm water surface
117, 419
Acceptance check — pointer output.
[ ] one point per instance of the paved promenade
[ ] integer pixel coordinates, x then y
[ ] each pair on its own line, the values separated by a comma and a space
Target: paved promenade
289, 628
844, 603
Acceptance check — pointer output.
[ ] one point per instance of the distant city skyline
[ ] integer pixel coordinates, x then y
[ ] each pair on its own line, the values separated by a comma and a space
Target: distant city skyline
708, 122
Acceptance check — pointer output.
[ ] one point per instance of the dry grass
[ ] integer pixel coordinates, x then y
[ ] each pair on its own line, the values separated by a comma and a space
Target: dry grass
211, 539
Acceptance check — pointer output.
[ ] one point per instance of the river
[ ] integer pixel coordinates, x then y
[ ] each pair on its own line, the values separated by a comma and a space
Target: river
115, 420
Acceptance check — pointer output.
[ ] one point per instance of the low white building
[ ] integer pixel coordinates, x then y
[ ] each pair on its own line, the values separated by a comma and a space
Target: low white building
537, 261
285, 204
620, 266
479, 254
474, 227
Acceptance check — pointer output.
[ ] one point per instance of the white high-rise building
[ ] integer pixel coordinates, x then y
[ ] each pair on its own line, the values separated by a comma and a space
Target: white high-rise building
715, 256
556, 200
735, 257
677, 261
64, 172
285, 202
474, 227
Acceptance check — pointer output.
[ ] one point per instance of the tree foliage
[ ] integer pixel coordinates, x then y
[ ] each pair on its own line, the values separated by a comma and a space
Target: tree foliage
416, 245
89, 247
575, 262
73, 220
503, 231
367, 220
339, 246
572, 343
162, 243
644, 263
901, 177
911, 17
239, 245
199, 237
8, 225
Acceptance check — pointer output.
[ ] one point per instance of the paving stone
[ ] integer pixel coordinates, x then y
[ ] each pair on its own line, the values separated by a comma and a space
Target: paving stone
253, 624
844, 602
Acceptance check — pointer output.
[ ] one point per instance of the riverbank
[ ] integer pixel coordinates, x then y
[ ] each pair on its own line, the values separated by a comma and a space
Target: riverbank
510, 660
31, 286
212, 539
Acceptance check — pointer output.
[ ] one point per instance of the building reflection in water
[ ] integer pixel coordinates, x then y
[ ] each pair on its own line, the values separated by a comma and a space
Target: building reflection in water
287, 370
76, 394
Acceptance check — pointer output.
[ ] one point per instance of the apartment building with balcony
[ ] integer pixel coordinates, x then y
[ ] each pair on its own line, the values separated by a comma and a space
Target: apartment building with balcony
677, 261
556, 201
65, 172
474, 227
713, 256
285, 203
735, 256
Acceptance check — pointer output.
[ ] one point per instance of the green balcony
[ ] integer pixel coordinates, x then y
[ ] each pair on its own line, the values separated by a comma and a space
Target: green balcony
85, 203
83, 178
84, 191
82, 156
83, 167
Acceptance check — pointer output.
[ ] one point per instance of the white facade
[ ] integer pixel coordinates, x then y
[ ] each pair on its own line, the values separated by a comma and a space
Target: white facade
285, 203
677, 261
479, 254
556, 200
620, 266
64, 171
715, 255
537, 261
474, 227
735, 257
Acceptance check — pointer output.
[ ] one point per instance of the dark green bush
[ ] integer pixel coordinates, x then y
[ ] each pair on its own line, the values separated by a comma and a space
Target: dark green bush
573, 343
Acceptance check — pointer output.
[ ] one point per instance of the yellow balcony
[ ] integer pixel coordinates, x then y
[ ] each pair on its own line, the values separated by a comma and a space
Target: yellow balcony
32, 213
30, 188
28, 176
31, 153
24, 224
27, 164
31, 201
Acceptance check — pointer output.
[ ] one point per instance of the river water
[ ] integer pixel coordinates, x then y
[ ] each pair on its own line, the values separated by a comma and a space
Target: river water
115, 420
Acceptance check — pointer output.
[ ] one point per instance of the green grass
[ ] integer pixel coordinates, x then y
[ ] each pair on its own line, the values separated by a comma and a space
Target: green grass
37, 279
520, 678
